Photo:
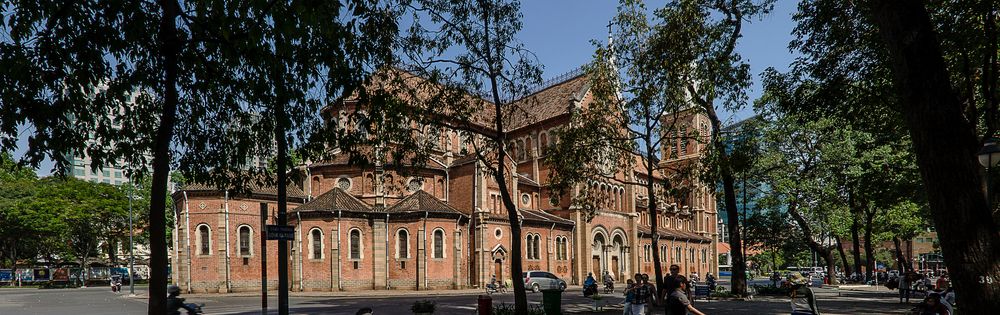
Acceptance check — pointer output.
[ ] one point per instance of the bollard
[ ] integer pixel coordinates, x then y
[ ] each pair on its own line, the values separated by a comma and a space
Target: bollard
485, 305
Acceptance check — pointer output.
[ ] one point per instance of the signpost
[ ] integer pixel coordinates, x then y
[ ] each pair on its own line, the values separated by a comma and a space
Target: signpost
280, 232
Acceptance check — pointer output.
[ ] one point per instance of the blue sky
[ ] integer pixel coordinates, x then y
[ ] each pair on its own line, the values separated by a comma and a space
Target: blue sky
559, 33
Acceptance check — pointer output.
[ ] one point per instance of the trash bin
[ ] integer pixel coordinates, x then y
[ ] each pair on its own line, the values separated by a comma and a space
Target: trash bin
485, 305
552, 301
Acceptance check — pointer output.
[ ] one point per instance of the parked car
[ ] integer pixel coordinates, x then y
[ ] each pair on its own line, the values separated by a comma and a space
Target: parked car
537, 280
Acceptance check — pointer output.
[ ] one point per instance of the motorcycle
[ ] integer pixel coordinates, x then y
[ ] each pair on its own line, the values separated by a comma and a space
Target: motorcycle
116, 283
194, 309
609, 287
590, 290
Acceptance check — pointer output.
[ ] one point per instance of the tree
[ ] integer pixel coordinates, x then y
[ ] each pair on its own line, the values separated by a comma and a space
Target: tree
969, 237
189, 65
697, 46
471, 47
629, 126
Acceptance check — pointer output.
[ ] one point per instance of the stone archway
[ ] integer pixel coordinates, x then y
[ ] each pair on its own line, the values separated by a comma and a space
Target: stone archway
599, 256
499, 257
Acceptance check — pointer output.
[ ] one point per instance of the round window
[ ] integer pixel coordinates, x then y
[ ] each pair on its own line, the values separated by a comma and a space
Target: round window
498, 233
414, 185
525, 199
344, 183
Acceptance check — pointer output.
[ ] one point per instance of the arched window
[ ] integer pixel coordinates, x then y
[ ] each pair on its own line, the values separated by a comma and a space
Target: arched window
402, 244
316, 244
204, 240
538, 239
663, 253
355, 244
246, 240
438, 243
543, 143
529, 243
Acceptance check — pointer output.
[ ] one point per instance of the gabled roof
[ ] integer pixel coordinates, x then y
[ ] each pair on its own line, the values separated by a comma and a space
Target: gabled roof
334, 200
542, 216
421, 201
672, 233
553, 100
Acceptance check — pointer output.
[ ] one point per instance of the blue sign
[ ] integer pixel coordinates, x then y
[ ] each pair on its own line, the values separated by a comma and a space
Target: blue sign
41, 274
6, 275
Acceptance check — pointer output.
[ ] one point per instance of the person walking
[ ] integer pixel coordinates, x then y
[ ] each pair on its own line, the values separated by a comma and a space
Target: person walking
803, 299
643, 295
629, 297
678, 302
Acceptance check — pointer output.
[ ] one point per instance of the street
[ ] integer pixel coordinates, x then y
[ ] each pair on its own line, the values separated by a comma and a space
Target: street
100, 300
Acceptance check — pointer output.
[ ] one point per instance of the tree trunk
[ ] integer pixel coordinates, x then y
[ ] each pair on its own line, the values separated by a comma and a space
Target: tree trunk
739, 278
855, 227
282, 142
900, 260
831, 266
826, 252
169, 47
651, 208
843, 255
869, 252
945, 145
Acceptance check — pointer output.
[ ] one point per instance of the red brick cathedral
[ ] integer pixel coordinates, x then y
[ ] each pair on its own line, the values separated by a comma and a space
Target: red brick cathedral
443, 226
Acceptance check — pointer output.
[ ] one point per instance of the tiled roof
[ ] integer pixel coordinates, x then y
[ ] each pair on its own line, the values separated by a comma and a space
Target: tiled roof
550, 102
524, 179
334, 200
421, 201
671, 233
542, 216
291, 190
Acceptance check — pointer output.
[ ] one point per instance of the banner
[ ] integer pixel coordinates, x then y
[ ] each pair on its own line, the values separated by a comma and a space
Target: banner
6, 275
61, 274
24, 274
41, 274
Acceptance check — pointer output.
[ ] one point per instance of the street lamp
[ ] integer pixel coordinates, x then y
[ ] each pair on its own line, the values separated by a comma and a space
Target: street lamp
989, 156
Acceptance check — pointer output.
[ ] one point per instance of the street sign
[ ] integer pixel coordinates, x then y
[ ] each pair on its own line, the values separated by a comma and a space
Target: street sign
280, 232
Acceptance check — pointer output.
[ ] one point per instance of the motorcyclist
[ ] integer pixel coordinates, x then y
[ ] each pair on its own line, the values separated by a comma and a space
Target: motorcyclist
175, 303
710, 279
589, 284
609, 281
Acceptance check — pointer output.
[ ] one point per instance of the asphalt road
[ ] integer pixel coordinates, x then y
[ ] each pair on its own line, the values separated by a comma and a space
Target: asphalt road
100, 300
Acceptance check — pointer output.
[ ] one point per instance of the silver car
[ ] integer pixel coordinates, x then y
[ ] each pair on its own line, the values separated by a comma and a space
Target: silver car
537, 280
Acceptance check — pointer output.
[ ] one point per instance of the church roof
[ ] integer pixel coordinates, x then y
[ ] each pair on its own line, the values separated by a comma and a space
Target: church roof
291, 190
421, 201
671, 233
334, 200
542, 216
553, 100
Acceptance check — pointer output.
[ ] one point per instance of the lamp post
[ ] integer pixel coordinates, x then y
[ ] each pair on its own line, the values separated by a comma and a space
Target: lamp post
989, 156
